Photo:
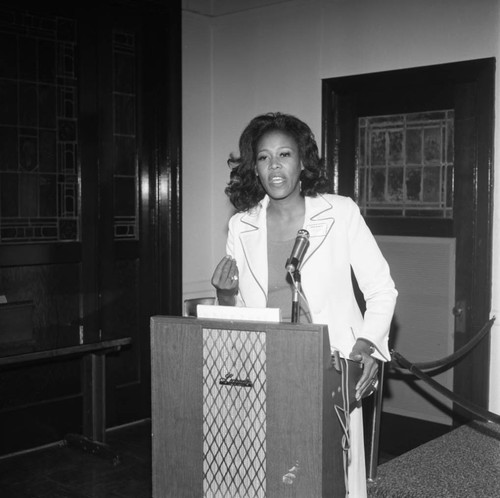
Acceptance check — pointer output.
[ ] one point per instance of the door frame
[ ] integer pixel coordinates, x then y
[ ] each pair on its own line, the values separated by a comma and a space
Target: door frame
468, 87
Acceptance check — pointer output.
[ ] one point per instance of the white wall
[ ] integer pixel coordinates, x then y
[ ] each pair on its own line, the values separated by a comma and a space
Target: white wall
240, 64
198, 190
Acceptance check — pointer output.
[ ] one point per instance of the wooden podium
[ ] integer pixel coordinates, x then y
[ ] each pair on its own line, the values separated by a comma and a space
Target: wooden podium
243, 409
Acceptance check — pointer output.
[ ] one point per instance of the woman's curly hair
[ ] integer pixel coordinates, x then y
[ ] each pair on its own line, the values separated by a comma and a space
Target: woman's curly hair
244, 188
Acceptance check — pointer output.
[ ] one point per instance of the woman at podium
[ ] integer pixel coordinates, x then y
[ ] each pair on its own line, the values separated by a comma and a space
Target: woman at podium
287, 227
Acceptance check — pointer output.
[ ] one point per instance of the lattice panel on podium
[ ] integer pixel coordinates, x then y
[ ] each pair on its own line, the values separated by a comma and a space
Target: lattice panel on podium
234, 414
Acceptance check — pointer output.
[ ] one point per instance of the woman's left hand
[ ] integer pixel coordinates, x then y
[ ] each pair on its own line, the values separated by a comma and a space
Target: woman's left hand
361, 352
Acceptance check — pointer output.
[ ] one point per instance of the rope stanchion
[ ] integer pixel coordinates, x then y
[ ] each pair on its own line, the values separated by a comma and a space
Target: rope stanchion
416, 369
470, 407
448, 360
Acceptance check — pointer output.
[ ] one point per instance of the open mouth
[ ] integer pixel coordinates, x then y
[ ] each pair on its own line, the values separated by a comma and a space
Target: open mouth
276, 180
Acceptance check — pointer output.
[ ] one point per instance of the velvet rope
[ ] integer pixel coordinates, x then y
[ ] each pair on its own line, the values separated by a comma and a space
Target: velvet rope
467, 405
457, 355
416, 369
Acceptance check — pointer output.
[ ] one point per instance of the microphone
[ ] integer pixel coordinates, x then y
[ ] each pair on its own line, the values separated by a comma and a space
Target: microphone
298, 251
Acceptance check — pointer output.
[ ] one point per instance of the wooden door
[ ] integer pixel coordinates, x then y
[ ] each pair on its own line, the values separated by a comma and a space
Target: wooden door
90, 217
455, 249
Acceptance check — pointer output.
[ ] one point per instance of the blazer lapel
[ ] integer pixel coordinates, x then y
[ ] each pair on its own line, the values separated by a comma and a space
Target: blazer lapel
254, 242
318, 222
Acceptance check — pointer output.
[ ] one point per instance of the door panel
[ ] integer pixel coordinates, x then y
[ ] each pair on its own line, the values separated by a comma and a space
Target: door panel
40, 249
424, 269
119, 233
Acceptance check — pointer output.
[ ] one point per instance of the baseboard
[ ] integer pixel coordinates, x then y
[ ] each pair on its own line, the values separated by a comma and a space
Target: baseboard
399, 434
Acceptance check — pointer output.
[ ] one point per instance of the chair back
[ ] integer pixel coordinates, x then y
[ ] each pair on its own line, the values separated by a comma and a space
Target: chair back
191, 304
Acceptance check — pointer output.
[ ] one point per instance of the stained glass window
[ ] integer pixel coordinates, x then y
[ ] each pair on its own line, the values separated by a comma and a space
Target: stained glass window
125, 170
39, 176
405, 165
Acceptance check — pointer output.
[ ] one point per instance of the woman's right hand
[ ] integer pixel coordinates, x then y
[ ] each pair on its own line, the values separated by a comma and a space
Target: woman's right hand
225, 280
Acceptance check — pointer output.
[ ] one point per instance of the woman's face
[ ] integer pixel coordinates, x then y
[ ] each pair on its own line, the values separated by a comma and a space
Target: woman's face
278, 165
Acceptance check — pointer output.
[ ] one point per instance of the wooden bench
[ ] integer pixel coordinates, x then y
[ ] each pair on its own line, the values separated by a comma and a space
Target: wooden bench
93, 357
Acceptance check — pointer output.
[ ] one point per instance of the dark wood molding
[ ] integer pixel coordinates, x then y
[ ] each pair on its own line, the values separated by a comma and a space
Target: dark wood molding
40, 253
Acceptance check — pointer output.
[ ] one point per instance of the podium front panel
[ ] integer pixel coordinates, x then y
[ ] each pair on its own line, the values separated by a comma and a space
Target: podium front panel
234, 412
243, 409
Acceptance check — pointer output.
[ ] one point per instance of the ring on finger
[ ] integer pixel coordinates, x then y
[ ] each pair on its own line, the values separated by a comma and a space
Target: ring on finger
234, 278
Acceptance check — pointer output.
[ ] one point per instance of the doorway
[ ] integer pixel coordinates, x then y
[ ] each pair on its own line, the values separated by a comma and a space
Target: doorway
441, 262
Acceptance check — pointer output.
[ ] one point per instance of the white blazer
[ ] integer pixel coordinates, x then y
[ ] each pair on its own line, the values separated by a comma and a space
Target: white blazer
339, 240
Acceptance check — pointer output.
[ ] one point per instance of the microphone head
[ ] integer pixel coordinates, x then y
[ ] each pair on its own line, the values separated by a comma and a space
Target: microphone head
299, 249
303, 233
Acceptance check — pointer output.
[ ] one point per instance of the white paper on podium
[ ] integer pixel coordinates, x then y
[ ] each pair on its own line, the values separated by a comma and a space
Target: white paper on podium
239, 313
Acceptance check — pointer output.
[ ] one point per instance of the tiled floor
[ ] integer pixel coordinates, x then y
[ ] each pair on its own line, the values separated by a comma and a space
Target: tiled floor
69, 472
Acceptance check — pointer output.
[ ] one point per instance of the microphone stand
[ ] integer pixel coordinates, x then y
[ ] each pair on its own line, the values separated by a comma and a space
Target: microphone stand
292, 266
296, 296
